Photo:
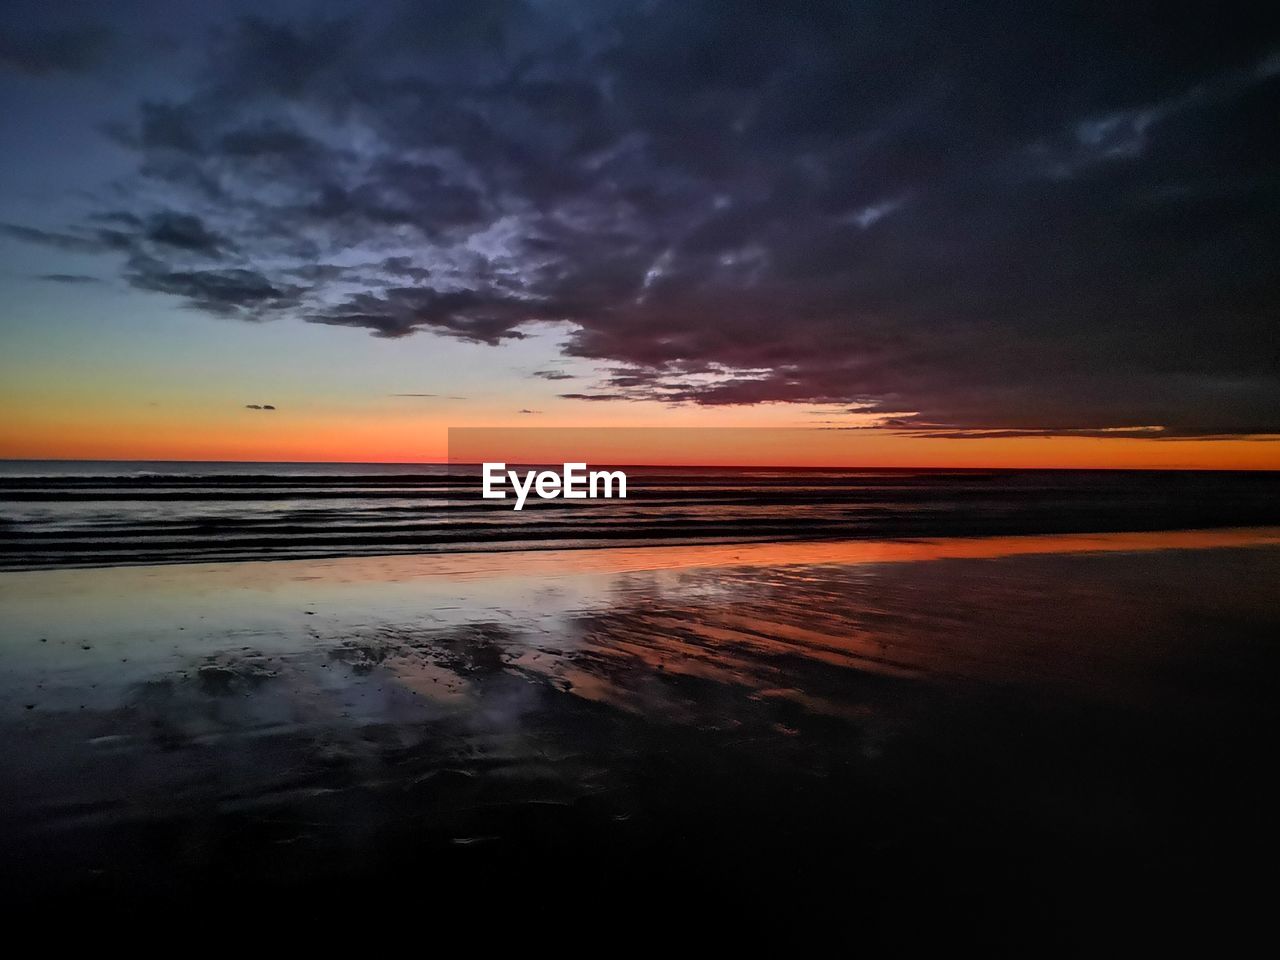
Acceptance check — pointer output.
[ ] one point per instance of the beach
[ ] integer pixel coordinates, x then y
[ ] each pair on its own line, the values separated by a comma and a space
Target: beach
1046, 723
783, 472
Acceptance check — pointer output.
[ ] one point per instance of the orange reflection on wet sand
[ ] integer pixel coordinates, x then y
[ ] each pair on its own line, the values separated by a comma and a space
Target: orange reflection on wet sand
622, 560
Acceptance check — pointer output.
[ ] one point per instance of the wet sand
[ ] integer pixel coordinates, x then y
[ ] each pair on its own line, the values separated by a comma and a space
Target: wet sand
1006, 736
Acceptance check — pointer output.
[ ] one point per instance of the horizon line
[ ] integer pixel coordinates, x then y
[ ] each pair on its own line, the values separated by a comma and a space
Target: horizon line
682, 466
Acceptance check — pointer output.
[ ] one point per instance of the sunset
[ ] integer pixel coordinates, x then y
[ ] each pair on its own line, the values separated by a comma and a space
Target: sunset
390, 226
937, 346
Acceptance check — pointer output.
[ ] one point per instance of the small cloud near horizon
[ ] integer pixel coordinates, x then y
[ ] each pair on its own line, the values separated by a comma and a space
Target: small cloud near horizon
71, 278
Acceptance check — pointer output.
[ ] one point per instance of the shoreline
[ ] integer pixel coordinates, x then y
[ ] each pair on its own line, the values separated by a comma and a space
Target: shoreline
78, 520
833, 547
1015, 709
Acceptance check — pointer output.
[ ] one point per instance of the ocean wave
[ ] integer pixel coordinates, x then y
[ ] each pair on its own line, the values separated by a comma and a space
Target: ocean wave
82, 514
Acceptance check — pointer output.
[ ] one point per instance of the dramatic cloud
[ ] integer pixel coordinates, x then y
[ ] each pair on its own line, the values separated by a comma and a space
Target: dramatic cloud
234, 292
184, 232
967, 218
60, 241
68, 50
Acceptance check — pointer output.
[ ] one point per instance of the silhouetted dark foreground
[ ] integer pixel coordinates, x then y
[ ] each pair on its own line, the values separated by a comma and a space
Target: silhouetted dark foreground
1015, 738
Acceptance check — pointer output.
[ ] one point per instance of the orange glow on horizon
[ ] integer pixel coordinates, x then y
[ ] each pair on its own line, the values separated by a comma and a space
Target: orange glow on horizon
815, 448
410, 437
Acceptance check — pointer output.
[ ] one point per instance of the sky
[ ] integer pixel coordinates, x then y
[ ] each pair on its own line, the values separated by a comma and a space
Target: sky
933, 234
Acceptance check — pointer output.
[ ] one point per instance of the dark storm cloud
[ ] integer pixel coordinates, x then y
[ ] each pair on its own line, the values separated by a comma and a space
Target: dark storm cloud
61, 241
64, 50
476, 315
964, 217
234, 292
185, 232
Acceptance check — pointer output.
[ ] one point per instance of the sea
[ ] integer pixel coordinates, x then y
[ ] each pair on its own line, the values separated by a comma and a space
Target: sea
109, 513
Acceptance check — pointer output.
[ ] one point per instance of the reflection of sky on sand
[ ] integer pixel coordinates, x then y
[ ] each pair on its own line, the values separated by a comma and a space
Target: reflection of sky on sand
726, 614
441, 699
